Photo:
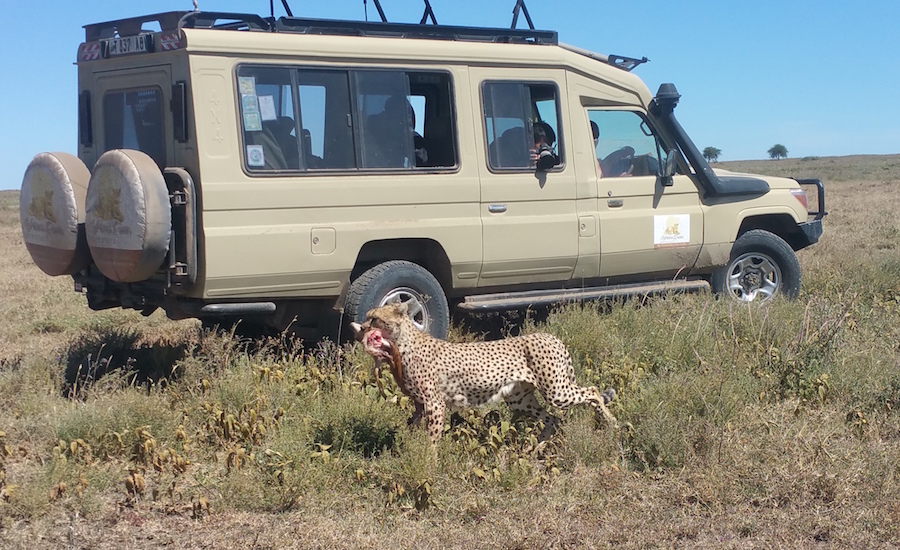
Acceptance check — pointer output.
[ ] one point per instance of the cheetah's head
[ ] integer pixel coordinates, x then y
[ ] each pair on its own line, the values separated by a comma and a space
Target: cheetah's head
388, 320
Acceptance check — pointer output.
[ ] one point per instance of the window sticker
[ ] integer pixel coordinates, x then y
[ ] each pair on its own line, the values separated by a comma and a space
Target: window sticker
249, 104
267, 107
255, 156
250, 111
671, 231
252, 122
247, 85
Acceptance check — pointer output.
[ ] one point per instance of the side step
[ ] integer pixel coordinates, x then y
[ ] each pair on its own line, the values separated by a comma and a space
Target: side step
519, 300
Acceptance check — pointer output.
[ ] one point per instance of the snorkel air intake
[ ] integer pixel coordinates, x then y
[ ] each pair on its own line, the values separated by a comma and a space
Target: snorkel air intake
663, 109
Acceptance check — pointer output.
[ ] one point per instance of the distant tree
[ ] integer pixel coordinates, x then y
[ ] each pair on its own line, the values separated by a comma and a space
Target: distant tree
778, 151
711, 154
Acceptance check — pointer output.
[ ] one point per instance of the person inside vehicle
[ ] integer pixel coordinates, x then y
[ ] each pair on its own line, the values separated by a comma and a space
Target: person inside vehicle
543, 156
619, 163
395, 107
595, 132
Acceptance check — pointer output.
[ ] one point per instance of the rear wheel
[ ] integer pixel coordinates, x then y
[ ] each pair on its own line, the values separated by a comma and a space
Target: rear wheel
405, 282
762, 265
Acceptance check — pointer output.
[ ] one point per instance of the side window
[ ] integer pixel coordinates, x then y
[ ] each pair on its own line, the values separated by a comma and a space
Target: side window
326, 133
267, 119
404, 120
434, 131
521, 124
384, 119
624, 144
345, 119
133, 119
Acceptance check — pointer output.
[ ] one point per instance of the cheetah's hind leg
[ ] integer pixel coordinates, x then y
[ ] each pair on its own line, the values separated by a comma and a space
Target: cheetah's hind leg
599, 403
522, 400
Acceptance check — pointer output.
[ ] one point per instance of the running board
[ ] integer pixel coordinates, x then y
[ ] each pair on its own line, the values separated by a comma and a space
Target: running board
520, 300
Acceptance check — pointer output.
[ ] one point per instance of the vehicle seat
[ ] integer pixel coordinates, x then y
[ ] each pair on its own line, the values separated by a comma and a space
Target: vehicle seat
510, 150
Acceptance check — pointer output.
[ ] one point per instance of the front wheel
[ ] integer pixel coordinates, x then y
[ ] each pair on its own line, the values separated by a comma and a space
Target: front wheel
406, 282
762, 265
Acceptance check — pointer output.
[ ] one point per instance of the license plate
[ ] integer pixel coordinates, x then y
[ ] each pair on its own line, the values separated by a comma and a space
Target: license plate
141, 43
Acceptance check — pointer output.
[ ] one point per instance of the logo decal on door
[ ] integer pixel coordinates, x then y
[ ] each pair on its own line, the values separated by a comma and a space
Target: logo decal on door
672, 230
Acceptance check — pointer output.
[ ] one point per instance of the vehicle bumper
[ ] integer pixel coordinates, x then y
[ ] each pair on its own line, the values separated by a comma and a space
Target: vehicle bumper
811, 231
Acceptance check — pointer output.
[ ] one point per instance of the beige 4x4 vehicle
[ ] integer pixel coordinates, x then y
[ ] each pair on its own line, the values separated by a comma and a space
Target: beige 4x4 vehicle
279, 170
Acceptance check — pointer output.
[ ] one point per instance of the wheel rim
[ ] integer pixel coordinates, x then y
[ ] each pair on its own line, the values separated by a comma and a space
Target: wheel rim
415, 304
754, 276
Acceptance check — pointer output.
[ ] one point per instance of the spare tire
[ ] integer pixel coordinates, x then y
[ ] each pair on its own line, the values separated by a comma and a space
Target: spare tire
127, 216
51, 212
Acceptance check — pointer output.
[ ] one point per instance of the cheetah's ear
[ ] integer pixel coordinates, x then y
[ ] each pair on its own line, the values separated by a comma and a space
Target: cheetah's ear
402, 308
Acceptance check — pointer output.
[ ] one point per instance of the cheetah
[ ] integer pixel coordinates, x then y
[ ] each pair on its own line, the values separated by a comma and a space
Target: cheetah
385, 350
437, 374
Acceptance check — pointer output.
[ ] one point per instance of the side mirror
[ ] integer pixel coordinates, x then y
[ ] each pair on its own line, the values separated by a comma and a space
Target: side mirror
668, 168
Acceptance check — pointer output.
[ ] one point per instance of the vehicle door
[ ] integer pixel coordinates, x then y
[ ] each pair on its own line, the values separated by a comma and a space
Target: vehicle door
646, 227
529, 221
134, 112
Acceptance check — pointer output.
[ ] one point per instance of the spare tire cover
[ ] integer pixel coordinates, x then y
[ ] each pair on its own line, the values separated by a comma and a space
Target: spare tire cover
51, 212
127, 218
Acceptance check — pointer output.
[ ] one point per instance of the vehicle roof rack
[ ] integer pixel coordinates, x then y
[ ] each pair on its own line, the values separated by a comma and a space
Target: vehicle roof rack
225, 21
169, 21
413, 30
172, 20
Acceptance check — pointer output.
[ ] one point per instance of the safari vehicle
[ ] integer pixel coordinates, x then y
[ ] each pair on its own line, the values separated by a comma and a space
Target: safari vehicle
279, 169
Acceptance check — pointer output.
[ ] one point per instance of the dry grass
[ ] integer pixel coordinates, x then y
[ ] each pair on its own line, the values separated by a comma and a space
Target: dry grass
744, 427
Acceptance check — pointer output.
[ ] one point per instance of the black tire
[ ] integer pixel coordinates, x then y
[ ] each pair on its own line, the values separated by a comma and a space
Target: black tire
408, 282
762, 265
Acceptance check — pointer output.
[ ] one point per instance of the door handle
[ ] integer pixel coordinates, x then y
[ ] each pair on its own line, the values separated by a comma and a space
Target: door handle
496, 208
615, 203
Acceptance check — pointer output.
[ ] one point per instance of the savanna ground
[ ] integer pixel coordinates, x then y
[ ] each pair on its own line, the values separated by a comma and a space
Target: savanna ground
761, 426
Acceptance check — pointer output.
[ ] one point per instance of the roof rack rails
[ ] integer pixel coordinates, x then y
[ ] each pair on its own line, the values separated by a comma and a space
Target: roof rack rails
167, 21
225, 20
172, 20
413, 30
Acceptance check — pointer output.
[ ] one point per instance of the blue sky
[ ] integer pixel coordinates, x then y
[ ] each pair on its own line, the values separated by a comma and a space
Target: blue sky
821, 77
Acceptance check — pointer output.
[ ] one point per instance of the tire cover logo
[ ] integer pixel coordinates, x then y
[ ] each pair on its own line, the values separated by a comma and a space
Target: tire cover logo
41, 210
113, 214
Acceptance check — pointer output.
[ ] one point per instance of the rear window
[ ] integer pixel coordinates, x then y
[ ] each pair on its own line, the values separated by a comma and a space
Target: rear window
133, 119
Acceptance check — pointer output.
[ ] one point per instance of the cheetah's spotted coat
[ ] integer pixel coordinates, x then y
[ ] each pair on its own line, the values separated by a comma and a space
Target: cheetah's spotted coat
437, 374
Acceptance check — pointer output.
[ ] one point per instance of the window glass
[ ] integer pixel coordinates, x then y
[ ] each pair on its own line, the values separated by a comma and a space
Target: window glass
267, 119
327, 130
623, 146
133, 119
385, 119
345, 119
433, 129
521, 123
